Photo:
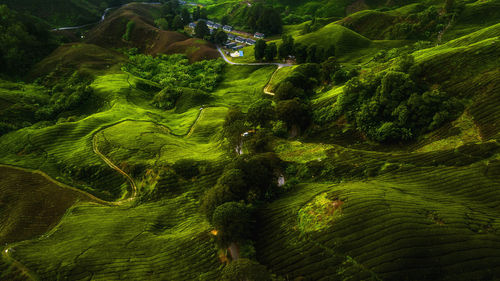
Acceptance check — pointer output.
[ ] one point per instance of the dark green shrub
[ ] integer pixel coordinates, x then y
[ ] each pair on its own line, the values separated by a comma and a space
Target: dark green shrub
234, 179
186, 168
245, 270
260, 113
215, 196
233, 222
128, 30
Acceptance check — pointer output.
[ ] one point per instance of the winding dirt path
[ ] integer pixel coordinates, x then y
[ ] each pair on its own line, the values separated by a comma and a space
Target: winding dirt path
279, 65
116, 168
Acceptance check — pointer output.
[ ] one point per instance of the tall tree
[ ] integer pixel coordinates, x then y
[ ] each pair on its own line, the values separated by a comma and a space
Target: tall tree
271, 51
201, 30
286, 48
177, 23
311, 53
260, 49
186, 16
203, 13
196, 13
260, 113
300, 51
219, 37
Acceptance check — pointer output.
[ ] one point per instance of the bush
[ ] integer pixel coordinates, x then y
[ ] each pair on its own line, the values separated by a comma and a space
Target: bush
186, 168
390, 107
279, 129
233, 221
293, 113
234, 179
260, 113
176, 71
214, 197
233, 128
259, 142
128, 31
259, 174
245, 270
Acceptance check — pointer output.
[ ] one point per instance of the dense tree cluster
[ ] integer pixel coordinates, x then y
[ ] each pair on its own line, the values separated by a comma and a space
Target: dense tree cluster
202, 31
423, 25
67, 95
245, 269
200, 13
23, 42
250, 179
176, 71
173, 16
66, 98
288, 48
128, 30
393, 106
265, 19
167, 98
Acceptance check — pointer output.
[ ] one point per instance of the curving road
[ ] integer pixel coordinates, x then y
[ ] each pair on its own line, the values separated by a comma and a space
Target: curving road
280, 65
106, 11
266, 88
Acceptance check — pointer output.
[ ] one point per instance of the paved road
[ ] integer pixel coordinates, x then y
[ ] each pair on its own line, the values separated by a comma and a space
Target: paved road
102, 17
280, 65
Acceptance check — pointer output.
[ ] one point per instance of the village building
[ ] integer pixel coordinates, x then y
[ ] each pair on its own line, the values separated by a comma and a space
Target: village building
240, 39
251, 42
259, 35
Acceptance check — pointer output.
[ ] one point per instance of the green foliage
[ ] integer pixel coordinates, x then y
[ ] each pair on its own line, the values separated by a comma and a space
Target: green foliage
68, 94
186, 16
201, 30
183, 98
265, 19
214, 197
162, 23
175, 71
300, 83
23, 42
423, 25
259, 142
391, 107
300, 51
233, 128
233, 221
234, 179
328, 68
260, 49
260, 173
286, 48
279, 129
177, 23
286, 90
293, 113
245, 270
187, 168
270, 52
219, 37
130, 27
260, 113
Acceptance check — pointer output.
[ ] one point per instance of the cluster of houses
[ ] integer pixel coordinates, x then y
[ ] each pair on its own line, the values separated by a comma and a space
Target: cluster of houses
233, 40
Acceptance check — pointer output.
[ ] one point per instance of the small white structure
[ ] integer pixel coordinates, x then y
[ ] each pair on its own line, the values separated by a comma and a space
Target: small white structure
259, 35
281, 180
